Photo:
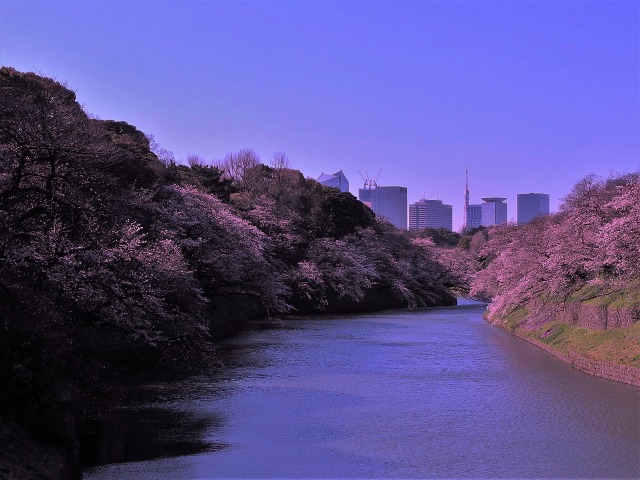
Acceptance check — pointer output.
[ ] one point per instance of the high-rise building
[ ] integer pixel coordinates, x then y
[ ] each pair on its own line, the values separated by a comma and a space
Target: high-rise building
493, 211
430, 214
532, 205
474, 216
387, 202
335, 180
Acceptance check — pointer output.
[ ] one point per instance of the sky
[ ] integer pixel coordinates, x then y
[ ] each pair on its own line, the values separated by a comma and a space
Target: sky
531, 96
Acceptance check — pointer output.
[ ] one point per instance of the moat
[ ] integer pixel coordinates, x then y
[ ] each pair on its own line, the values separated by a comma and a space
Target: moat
414, 394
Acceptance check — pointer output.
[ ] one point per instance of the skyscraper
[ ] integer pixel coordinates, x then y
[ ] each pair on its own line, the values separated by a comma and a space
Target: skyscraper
430, 214
531, 205
335, 180
388, 202
494, 211
474, 216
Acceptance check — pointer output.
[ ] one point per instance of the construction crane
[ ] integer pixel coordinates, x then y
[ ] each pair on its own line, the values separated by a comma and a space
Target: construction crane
368, 182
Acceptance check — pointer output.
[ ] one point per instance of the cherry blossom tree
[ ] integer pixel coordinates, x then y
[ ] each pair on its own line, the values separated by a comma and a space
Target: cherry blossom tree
229, 255
592, 241
620, 236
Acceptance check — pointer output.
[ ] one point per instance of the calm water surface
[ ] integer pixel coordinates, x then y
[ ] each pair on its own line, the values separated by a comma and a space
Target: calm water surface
422, 394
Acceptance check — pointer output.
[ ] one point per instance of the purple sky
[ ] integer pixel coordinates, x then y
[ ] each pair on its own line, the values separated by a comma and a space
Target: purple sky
532, 96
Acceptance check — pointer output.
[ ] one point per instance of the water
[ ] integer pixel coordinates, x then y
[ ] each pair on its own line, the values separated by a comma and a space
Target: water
418, 394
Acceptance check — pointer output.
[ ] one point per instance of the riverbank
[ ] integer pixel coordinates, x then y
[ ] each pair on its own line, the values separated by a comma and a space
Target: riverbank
613, 354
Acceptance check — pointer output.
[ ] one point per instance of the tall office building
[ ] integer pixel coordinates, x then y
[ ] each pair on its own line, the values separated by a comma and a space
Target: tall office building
335, 180
532, 205
430, 214
474, 216
387, 202
493, 211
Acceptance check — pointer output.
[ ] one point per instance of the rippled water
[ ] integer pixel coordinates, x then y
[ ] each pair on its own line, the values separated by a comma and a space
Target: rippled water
422, 394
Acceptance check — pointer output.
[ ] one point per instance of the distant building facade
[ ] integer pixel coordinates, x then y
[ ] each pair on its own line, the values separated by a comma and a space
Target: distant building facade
493, 211
335, 180
532, 205
474, 216
430, 214
387, 202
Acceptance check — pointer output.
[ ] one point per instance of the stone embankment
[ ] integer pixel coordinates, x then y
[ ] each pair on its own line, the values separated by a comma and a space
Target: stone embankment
589, 315
593, 317
598, 368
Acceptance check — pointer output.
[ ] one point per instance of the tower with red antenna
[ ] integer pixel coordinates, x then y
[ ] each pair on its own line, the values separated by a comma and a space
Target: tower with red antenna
466, 200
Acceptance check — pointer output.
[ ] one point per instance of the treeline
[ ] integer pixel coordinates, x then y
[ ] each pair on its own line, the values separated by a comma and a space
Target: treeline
590, 249
111, 256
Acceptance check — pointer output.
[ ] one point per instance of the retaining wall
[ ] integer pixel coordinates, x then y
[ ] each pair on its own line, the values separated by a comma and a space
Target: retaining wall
598, 368
593, 317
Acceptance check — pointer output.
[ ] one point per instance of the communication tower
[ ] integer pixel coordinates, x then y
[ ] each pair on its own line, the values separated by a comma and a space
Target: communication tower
466, 199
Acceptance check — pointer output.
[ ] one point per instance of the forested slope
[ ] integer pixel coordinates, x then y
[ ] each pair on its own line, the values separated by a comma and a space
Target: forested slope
112, 259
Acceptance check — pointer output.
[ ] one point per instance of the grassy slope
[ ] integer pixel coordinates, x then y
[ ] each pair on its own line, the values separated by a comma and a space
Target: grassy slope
627, 297
621, 346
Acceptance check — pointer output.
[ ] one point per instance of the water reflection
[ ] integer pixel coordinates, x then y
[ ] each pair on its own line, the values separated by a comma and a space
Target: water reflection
134, 435
431, 393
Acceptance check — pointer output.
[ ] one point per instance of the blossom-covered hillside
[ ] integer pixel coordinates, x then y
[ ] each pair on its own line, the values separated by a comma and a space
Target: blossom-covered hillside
593, 242
114, 257
570, 280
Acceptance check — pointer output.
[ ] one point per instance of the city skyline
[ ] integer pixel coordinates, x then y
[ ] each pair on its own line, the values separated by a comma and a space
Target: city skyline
433, 213
532, 96
368, 184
